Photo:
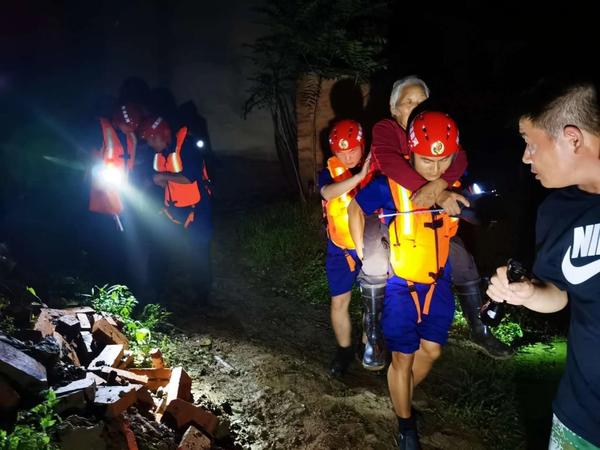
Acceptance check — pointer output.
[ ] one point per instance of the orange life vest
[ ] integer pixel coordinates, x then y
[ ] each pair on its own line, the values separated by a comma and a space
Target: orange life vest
336, 209
106, 199
419, 245
180, 195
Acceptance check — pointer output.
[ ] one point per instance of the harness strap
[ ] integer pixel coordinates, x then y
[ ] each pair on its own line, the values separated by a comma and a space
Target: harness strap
428, 297
415, 296
190, 218
350, 261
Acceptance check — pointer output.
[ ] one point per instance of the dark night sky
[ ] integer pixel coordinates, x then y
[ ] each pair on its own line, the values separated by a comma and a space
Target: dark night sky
61, 61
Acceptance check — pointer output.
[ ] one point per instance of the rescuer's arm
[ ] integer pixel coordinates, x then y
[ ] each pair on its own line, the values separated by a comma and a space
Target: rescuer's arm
533, 294
356, 223
160, 179
334, 189
389, 148
390, 155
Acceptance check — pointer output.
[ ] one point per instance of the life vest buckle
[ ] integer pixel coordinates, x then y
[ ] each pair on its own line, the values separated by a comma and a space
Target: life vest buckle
438, 275
436, 223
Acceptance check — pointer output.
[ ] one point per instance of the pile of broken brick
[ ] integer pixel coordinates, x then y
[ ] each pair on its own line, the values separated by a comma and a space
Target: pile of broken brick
84, 357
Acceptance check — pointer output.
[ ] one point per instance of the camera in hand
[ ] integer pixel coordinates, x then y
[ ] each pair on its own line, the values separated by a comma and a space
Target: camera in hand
492, 312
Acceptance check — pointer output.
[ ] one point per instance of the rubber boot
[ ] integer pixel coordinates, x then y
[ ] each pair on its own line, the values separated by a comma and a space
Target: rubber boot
374, 355
341, 361
471, 299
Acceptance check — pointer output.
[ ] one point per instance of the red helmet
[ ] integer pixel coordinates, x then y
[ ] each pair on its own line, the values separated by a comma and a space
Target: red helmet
345, 135
128, 117
433, 133
155, 126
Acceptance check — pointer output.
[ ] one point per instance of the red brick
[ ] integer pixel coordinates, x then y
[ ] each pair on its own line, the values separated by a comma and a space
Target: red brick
106, 333
180, 385
194, 439
129, 436
156, 377
157, 358
115, 399
44, 323
144, 396
126, 375
110, 356
126, 360
181, 414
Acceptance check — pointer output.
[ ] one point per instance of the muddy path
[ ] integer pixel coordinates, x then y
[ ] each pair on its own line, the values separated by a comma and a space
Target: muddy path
262, 360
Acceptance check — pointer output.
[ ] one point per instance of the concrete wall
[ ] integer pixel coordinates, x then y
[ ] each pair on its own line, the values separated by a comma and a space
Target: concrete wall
337, 99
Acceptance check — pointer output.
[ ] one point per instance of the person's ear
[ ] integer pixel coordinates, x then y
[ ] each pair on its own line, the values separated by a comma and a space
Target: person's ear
574, 136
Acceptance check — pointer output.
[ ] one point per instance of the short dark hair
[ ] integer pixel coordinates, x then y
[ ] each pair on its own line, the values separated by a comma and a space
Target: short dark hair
552, 105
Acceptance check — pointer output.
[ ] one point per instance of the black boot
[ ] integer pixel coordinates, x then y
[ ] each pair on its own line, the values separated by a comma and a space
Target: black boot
374, 356
341, 361
470, 298
408, 440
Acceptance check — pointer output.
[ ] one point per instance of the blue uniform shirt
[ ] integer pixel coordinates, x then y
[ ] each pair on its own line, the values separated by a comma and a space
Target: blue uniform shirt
377, 195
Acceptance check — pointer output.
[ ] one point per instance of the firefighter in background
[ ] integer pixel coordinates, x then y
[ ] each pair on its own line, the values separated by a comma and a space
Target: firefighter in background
345, 174
418, 306
114, 161
184, 193
112, 168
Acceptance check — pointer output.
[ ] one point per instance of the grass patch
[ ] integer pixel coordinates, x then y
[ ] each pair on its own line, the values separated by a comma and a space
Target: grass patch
509, 402
286, 242
472, 391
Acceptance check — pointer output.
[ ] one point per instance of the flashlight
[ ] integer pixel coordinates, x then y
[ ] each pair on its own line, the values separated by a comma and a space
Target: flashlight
110, 175
477, 189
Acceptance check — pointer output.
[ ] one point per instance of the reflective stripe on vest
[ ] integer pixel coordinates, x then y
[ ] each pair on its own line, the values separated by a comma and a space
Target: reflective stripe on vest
336, 209
106, 199
419, 243
178, 195
172, 162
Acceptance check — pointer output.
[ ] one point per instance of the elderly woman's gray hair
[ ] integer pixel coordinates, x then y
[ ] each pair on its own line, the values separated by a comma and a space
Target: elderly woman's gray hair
400, 84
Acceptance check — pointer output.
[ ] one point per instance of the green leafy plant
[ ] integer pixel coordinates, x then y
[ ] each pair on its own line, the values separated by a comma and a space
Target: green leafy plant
508, 330
34, 428
116, 299
153, 315
32, 292
119, 301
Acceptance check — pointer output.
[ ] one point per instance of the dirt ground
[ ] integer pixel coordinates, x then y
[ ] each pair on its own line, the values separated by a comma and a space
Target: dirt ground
261, 360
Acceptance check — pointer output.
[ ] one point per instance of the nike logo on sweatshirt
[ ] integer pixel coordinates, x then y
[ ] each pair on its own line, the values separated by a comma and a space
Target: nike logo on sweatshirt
586, 242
